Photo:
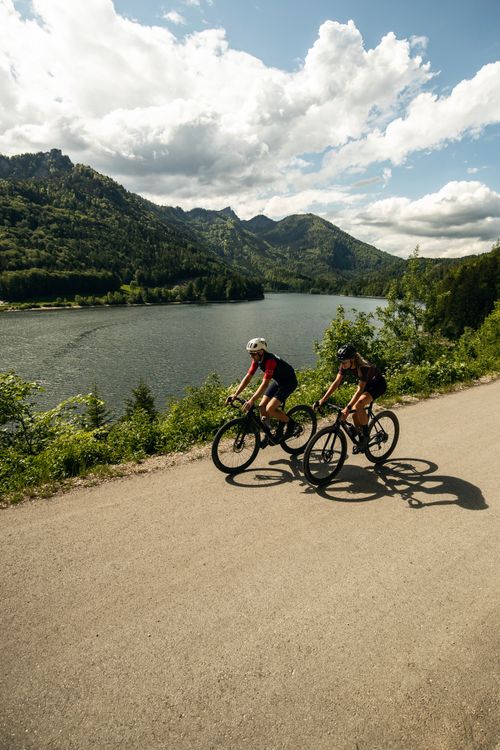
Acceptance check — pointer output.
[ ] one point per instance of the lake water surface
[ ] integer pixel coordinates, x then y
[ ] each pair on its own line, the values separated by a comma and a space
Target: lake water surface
169, 346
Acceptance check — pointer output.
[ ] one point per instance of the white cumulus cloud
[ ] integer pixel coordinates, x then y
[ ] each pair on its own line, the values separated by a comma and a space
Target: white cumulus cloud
174, 17
430, 122
462, 217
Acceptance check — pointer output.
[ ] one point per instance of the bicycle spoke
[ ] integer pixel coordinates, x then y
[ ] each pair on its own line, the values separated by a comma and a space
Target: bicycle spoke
324, 456
305, 417
235, 446
383, 436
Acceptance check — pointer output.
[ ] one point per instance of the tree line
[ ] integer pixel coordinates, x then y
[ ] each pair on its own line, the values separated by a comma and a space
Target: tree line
40, 283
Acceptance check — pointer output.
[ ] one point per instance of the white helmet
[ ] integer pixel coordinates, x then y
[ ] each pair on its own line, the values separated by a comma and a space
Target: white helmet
255, 345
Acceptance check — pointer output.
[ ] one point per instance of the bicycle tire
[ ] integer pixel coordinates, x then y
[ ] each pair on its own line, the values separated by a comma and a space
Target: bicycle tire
235, 446
324, 455
383, 435
306, 417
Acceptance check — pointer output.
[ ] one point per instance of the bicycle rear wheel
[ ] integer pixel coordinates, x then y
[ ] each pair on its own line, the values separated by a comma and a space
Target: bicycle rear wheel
235, 446
324, 456
383, 434
306, 418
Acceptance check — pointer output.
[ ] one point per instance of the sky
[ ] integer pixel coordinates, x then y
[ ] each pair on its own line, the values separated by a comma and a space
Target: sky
380, 117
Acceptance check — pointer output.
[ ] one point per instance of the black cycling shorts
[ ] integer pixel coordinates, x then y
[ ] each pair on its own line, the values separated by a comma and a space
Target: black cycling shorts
376, 387
281, 392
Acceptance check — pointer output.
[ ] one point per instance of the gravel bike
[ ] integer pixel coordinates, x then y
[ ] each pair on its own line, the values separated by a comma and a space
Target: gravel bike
326, 451
238, 442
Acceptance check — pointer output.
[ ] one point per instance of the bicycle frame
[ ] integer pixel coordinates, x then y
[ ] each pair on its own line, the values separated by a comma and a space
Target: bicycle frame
345, 424
253, 417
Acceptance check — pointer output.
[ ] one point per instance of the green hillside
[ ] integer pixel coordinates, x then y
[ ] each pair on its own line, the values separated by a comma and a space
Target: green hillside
316, 249
66, 220
300, 253
66, 229
466, 294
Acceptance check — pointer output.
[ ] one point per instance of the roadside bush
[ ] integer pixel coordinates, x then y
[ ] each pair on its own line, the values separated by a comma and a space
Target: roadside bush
361, 332
134, 438
142, 398
427, 377
70, 455
481, 348
196, 417
12, 471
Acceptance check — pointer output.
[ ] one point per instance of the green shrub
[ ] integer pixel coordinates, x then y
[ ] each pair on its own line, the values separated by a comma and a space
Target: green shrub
133, 438
70, 455
360, 332
196, 417
481, 348
12, 471
428, 377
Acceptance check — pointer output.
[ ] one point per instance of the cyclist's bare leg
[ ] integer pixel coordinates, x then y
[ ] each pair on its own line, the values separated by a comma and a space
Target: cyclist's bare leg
272, 409
360, 417
263, 406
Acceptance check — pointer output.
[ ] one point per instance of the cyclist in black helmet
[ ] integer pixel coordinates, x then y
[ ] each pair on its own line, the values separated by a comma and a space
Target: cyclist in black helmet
371, 385
278, 383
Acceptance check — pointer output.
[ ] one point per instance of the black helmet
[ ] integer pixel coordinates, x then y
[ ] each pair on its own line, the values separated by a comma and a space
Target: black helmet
346, 351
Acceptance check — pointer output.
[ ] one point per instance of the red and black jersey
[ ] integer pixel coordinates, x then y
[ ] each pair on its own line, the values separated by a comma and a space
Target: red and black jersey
274, 368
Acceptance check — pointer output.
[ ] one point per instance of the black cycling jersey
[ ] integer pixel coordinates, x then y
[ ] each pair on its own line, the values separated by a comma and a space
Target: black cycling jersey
274, 368
365, 373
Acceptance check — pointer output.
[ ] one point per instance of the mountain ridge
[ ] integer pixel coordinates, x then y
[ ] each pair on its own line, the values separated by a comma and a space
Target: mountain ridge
61, 217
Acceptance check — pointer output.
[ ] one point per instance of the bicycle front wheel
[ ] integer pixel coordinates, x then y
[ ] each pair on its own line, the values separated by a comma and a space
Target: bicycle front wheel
306, 418
383, 434
325, 455
235, 446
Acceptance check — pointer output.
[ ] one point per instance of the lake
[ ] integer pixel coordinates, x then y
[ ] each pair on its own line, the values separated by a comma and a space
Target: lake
169, 346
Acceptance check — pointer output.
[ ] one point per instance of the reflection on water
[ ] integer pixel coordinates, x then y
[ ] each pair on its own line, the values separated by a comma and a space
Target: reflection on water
169, 346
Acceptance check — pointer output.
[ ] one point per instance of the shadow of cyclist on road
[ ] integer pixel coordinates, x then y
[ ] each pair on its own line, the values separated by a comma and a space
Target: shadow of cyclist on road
256, 477
354, 484
415, 480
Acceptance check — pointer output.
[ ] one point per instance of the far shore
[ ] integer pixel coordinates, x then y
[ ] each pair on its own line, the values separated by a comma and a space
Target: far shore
52, 308
6, 308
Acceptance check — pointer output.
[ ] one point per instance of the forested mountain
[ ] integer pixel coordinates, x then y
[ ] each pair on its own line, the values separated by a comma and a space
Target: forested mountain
67, 229
466, 294
312, 246
300, 253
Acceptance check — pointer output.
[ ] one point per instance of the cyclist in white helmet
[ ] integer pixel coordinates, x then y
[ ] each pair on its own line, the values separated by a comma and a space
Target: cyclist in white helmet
278, 383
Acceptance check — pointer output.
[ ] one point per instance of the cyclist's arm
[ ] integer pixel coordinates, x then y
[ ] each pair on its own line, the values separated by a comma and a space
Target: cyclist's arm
243, 384
260, 390
333, 387
250, 373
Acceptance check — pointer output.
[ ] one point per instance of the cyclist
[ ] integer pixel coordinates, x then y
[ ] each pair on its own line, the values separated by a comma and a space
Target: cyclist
371, 385
278, 383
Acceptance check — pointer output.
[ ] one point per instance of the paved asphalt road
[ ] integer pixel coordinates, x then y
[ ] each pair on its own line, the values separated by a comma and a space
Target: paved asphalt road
179, 609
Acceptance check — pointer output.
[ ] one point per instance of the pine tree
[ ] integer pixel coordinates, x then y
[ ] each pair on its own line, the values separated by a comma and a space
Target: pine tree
142, 399
97, 414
